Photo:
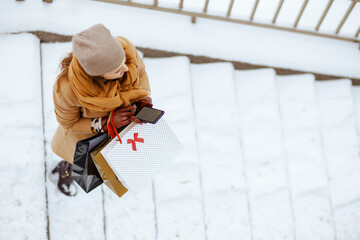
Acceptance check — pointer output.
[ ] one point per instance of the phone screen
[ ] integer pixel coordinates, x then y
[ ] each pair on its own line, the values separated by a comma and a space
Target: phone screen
150, 115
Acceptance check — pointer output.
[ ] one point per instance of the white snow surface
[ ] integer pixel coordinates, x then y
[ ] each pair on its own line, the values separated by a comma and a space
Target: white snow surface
266, 156
177, 190
159, 30
22, 189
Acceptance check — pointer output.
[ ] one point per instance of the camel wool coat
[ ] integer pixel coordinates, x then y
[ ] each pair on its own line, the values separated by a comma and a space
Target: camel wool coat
74, 119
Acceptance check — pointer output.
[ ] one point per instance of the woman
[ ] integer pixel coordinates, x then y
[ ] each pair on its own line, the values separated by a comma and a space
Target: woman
102, 73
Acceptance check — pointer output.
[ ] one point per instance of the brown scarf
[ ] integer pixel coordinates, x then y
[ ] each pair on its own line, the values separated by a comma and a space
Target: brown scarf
115, 94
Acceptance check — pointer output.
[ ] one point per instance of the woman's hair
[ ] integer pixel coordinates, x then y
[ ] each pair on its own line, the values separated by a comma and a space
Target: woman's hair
64, 68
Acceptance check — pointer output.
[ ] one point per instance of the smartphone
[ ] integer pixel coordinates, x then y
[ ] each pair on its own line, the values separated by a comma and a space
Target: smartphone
150, 115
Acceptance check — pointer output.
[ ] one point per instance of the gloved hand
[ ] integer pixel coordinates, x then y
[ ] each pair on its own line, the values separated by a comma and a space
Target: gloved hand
122, 116
145, 102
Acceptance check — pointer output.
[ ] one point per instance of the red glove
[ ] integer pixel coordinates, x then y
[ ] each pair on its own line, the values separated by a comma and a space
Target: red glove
145, 102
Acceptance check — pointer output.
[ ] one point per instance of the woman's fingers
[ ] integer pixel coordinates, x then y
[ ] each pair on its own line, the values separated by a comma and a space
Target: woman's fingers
136, 120
126, 109
122, 121
123, 115
127, 121
126, 114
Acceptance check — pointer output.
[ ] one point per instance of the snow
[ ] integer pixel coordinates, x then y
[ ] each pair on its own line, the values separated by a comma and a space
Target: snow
340, 139
306, 164
22, 200
266, 156
242, 9
301, 132
129, 217
312, 13
335, 14
260, 125
222, 168
243, 43
178, 190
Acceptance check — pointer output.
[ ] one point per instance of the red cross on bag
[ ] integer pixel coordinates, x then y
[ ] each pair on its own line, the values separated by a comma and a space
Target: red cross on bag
133, 141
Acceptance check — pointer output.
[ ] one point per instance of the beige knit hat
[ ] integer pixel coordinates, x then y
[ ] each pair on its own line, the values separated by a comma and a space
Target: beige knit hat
97, 51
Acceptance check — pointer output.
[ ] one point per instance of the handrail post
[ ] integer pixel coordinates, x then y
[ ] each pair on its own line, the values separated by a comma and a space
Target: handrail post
206, 6
181, 4
277, 11
156, 2
357, 33
324, 14
254, 10
193, 19
301, 13
352, 5
230, 8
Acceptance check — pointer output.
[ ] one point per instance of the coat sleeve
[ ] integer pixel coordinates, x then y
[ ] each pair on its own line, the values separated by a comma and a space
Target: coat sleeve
67, 113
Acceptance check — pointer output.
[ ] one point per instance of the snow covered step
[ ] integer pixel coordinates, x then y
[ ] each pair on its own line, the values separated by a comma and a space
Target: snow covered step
178, 195
130, 217
305, 160
82, 215
222, 169
22, 186
261, 134
356, 99
341, 150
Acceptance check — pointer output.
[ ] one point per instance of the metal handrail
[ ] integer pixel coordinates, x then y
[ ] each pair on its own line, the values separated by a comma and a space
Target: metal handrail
251, 21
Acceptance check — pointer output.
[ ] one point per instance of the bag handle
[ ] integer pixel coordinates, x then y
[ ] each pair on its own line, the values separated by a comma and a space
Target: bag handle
111, 127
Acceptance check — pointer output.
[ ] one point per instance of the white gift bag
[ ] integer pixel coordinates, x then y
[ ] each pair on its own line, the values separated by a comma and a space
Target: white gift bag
145, 151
